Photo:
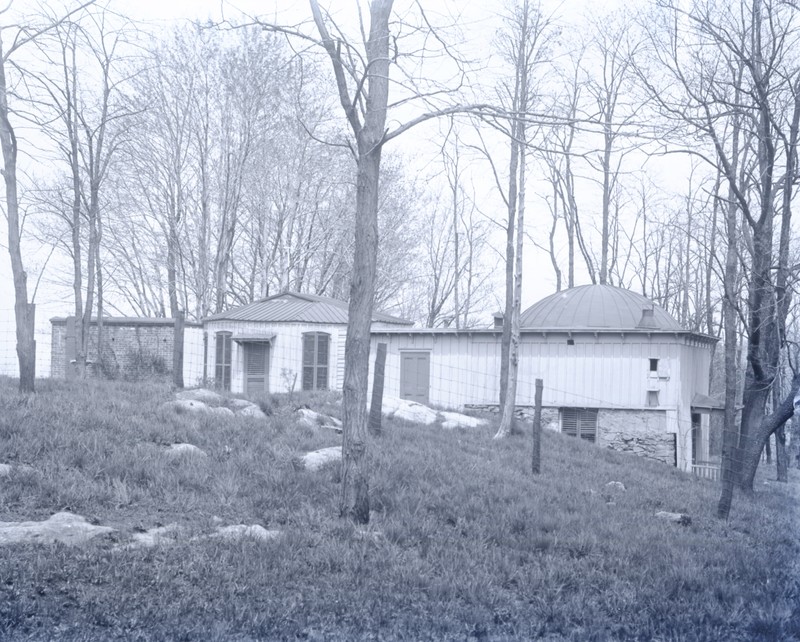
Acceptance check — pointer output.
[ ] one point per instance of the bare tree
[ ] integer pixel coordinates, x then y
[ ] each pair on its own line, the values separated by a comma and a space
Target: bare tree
361, 74
85, 119
525, 46
24, 311
731, 75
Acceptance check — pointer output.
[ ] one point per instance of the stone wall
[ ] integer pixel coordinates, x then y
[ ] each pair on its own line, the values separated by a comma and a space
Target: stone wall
641, 432
131, 346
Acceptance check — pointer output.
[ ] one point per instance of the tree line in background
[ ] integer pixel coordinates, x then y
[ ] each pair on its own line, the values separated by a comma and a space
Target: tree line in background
198, 167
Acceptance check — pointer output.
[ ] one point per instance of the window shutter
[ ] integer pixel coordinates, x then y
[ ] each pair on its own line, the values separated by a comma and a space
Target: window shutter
315, 360
569, 421
579, 422
323, 341
587, 423
308, 361
308, 349
322, 349
222, 368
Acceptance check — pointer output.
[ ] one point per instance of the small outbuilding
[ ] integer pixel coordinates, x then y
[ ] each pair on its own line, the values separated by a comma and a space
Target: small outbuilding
618, 370
282, 343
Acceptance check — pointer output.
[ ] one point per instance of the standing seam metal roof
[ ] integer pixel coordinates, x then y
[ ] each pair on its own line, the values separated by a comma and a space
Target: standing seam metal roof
298, 308
596, 307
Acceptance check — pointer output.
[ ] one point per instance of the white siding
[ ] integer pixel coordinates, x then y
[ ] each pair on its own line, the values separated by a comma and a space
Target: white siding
607, 371
286, 352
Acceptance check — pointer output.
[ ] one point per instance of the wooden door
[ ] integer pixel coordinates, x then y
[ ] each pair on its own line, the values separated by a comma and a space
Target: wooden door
415, 371
256, 368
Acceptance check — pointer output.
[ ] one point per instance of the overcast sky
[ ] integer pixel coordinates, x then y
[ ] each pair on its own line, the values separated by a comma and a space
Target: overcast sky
478, 24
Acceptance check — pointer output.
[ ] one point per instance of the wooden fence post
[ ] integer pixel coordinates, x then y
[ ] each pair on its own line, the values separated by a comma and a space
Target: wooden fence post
177, 350
376, 407
536, 460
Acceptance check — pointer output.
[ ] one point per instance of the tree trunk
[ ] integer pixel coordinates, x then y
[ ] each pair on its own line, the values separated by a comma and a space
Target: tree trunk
781, 456
729, 432
516, 195
354, 498
751, 450
24, 312
505, 341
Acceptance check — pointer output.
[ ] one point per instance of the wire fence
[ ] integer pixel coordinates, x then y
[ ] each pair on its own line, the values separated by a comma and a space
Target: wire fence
458, 382
9, 363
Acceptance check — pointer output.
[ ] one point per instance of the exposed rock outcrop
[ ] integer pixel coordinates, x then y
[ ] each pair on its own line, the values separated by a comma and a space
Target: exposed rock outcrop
63, 527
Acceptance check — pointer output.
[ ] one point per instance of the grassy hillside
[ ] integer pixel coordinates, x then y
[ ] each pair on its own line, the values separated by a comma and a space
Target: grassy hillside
469, 544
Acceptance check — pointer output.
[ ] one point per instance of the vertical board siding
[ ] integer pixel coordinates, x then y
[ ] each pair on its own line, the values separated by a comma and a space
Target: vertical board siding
610, 370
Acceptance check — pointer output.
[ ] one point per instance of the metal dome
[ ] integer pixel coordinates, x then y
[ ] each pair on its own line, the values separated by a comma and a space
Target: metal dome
597, 307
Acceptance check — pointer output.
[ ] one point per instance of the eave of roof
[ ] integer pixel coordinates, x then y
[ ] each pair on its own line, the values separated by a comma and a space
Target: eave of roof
291, 307
546, 331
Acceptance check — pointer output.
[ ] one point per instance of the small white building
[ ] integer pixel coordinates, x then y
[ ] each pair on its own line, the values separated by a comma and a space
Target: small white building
617, 369
282, 343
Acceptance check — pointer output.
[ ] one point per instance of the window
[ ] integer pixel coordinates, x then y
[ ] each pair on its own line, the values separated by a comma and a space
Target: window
222, 370
315, 360
653, 365
579, 422
652, 398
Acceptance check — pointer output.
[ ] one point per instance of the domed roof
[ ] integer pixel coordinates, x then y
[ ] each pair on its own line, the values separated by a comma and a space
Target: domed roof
597, 307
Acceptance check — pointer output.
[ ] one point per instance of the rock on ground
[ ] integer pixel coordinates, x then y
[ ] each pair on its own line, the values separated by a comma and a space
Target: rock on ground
240, 531
178, 450
191, 406
318, 458
200, 394
6, 470
452, 420
316, 419
220, 411
615, 485
64, 527
154, 536
396, 408
678, 518
194, 407
250, 410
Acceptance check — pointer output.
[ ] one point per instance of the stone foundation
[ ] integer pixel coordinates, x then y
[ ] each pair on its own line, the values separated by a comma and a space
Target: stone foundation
641, 432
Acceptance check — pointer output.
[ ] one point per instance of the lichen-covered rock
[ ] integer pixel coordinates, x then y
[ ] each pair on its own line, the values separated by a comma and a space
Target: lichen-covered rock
63, 527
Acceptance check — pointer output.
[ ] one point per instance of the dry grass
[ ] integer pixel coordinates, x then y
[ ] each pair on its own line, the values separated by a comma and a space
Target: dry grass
472, 545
